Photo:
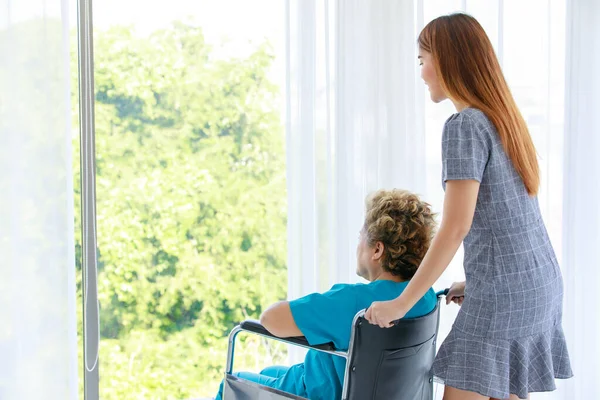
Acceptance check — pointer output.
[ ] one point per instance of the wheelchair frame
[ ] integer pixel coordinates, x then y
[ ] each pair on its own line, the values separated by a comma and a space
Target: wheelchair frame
254, 327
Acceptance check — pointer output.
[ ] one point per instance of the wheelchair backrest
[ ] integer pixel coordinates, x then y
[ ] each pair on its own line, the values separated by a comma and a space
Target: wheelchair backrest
393, 363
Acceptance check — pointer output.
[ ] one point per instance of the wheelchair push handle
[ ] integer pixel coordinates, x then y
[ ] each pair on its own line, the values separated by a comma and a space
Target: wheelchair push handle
445, 294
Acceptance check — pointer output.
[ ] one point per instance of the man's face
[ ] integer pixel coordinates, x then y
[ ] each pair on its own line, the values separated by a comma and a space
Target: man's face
364, 257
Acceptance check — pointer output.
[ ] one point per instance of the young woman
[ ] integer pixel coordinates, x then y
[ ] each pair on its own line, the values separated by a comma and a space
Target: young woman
507, 340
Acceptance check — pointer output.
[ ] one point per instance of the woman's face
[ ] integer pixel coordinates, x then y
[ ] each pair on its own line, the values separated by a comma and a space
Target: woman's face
429, 76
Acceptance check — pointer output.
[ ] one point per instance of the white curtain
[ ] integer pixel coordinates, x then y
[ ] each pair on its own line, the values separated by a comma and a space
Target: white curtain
38, 354
581, 228
352, 120
358, 120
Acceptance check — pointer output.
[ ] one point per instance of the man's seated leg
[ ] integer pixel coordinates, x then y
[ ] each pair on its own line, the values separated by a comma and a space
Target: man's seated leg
275, 371
275, 376
252, 377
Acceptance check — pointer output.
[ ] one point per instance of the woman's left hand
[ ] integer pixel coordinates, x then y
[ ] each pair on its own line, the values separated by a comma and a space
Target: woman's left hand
383, 313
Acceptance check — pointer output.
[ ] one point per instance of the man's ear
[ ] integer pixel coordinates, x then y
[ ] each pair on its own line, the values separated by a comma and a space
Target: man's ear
378, 251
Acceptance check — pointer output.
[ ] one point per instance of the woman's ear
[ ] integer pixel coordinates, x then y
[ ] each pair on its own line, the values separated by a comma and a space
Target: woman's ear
378, 251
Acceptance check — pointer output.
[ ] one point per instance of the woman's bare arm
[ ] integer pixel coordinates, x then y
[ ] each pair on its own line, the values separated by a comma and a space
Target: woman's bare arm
459, 207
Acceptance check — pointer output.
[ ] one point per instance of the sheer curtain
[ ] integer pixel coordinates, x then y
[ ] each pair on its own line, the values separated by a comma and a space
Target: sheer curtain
352, 127
358, 120
38, 353
581, 206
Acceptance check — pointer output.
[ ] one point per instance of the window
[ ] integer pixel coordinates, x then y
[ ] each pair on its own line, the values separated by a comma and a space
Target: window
191, 189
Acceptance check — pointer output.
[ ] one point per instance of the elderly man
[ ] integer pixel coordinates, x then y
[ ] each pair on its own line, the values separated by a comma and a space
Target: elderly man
396, 234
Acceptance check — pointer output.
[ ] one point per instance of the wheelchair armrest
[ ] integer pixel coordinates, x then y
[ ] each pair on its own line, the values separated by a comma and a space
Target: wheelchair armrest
255, 327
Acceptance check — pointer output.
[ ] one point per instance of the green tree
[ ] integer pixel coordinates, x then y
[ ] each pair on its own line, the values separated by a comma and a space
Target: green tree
191, 208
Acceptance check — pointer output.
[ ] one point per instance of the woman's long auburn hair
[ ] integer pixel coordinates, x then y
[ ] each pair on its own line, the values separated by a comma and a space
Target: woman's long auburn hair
469, 72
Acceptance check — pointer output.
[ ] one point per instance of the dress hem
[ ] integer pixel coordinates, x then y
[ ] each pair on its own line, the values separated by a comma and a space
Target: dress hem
440, 380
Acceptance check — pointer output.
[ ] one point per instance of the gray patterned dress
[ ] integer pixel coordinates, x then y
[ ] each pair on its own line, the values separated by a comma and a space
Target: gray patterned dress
507, 337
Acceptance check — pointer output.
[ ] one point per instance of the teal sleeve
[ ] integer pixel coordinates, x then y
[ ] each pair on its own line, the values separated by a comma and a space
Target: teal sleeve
326, 317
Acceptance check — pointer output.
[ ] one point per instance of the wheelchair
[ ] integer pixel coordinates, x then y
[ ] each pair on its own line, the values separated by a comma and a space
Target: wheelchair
391, 364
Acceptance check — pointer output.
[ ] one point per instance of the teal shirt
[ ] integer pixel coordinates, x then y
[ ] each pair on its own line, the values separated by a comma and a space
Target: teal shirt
328, 317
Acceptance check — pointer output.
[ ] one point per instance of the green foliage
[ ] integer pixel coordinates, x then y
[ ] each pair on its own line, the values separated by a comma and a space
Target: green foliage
191, 208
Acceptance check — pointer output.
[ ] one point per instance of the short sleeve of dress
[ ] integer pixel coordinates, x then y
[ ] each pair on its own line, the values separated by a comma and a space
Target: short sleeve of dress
465, 151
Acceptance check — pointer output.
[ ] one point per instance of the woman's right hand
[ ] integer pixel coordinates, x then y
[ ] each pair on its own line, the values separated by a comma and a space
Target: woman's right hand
456, 294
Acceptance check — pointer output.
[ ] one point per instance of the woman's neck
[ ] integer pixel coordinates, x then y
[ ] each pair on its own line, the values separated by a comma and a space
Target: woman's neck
459, 105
